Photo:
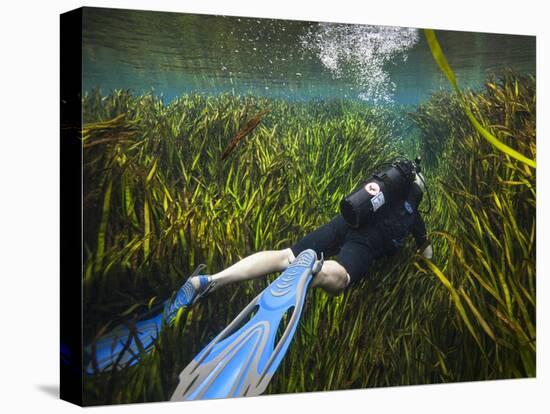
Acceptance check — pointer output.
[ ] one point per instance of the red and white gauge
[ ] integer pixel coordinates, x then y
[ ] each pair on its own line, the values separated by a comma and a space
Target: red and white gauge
372, 188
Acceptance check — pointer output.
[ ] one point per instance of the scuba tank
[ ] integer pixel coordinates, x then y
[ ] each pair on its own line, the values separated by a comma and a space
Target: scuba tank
380, 189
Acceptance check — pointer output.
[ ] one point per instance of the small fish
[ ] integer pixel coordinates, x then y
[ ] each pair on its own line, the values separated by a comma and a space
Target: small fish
248, 128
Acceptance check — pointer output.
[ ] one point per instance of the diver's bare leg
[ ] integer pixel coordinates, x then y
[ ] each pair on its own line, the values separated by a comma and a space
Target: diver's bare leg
254, 266
333, 278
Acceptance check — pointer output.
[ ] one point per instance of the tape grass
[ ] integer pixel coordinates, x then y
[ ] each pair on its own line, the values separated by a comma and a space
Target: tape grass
441, 60
172, 203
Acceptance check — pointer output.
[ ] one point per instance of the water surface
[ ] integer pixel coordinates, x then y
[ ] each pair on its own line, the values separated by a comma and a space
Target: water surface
172, 54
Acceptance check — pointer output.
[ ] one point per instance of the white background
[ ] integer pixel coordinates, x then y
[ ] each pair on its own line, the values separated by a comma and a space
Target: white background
29, 204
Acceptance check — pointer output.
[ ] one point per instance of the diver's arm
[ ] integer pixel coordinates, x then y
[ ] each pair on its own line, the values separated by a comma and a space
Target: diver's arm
419, 233
418, 230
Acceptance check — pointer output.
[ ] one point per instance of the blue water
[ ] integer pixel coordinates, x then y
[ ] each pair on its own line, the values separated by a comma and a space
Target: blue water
171, 54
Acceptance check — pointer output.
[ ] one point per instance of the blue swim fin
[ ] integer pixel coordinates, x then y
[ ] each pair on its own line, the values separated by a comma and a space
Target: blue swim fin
127, 343
241, 361
123, 346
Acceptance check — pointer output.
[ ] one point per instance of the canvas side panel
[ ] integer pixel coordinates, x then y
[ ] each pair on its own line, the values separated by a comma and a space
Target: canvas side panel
71, 206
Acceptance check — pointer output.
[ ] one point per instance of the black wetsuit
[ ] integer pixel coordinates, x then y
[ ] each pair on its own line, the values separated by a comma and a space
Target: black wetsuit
355, 249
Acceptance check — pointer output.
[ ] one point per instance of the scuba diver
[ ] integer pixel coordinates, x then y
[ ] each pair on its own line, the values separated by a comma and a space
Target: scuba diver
374, 221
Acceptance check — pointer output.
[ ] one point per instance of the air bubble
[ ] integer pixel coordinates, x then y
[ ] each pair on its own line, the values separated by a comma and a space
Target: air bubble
360, 52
